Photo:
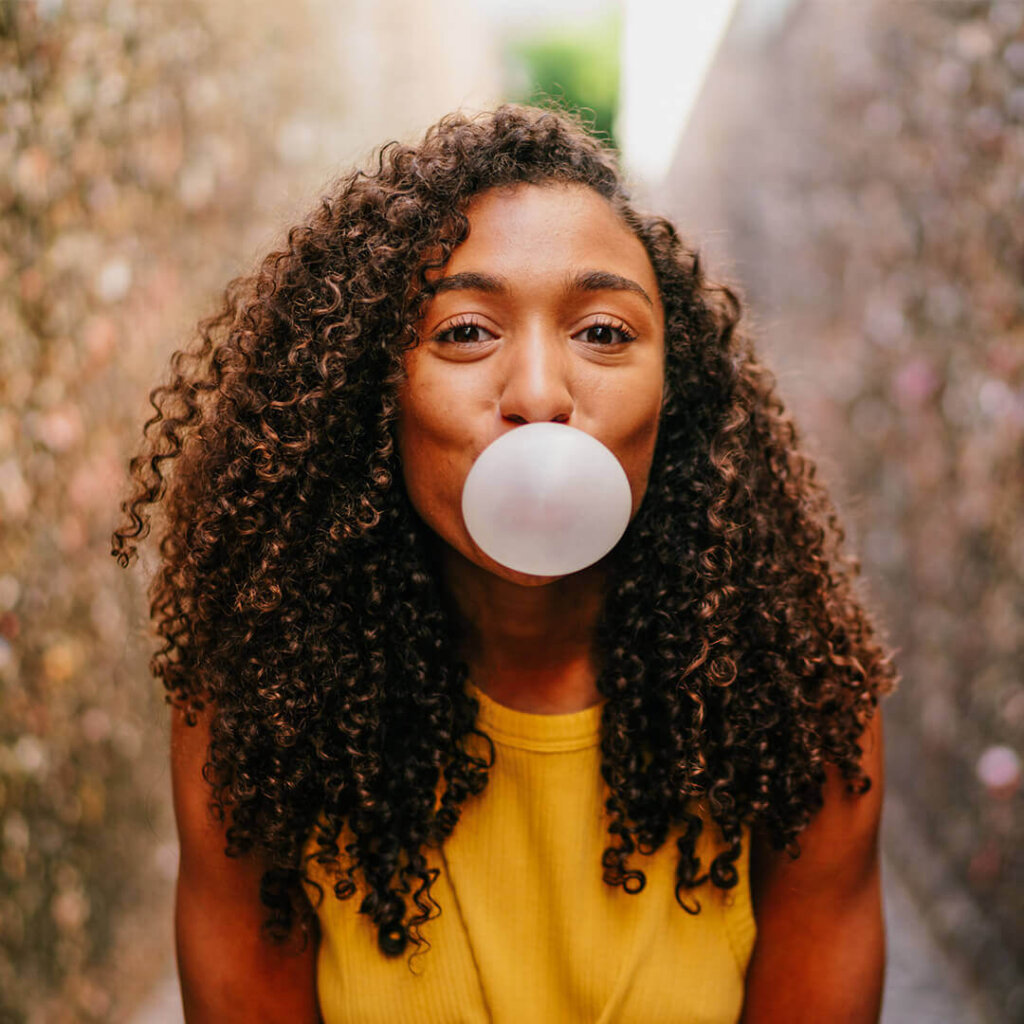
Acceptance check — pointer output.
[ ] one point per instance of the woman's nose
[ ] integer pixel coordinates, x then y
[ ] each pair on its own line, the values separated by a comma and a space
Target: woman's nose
536, 385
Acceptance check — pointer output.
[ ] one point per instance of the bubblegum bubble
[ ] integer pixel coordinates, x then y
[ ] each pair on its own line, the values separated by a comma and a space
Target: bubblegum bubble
546, 499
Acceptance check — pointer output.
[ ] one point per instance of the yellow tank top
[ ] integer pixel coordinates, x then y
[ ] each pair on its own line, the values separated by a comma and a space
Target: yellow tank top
528, 929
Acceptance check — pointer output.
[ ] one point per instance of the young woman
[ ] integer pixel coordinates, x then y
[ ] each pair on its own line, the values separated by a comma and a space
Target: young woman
413, 784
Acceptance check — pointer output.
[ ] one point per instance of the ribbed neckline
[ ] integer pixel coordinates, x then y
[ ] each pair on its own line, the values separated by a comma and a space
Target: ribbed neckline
576, 730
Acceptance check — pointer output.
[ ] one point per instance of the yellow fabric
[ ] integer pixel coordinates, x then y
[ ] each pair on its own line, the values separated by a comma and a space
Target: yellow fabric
528, 929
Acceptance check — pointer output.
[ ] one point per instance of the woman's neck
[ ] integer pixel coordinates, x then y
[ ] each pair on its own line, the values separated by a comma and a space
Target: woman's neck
530, 648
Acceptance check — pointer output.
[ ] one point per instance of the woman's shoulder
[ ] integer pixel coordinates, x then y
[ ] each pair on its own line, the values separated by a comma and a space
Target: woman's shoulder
218, 906
839, 847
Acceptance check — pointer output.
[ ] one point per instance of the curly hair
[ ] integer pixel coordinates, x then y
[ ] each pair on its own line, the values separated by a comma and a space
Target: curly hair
298, 592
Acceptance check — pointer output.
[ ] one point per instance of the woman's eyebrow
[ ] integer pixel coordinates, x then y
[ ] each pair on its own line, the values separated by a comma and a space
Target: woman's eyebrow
470, 281
583, 281
605, 280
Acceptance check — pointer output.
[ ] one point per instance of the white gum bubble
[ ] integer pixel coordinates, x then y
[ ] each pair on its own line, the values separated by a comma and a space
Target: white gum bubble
546, 499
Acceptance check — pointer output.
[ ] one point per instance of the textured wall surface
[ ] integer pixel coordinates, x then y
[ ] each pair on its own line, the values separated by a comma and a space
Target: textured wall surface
135, 142
858, 169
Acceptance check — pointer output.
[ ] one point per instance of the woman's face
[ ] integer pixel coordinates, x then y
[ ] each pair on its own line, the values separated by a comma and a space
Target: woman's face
548, 311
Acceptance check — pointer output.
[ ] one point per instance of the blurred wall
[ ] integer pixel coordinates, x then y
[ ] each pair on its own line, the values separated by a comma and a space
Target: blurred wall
148, 152
858, 169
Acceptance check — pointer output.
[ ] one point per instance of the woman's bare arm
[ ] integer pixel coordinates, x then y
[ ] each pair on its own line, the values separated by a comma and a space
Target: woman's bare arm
820, 950
228, 971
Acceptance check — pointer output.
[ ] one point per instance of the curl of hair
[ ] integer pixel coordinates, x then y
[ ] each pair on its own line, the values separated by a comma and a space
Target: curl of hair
298, 591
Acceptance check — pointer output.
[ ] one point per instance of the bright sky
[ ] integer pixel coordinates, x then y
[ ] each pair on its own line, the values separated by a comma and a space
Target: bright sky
667, 50
515, 12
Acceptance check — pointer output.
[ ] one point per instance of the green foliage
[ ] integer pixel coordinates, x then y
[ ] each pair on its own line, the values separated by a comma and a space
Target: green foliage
576, 67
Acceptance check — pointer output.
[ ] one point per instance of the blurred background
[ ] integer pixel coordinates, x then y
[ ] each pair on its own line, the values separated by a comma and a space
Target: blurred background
855, 169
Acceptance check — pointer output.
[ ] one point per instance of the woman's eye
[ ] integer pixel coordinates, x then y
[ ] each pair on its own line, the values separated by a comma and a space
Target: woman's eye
596, 334
606, 334
464, 334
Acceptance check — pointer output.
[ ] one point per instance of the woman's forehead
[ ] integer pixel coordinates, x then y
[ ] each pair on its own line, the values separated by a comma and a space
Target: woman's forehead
541, 227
